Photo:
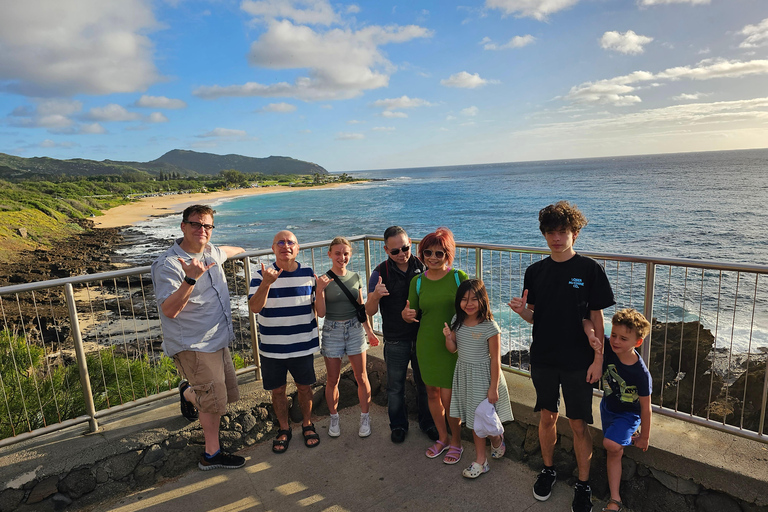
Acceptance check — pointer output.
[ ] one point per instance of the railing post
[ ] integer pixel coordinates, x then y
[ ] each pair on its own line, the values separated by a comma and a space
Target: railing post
478, 263
252, 319
367, 253
650, 283
85, 380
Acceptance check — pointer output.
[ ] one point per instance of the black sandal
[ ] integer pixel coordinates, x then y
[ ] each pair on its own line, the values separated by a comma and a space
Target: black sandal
313, 435
282, 444
187, 408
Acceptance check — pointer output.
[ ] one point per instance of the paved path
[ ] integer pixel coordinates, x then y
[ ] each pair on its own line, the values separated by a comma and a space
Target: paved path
348, 474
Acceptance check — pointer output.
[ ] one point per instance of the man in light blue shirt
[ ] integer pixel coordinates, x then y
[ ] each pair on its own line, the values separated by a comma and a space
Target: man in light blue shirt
196, 316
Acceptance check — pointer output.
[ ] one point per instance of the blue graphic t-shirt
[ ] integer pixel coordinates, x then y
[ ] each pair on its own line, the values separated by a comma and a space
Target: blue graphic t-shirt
623, 385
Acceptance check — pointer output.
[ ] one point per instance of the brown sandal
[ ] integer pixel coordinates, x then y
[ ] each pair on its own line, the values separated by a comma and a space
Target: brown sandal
615, 502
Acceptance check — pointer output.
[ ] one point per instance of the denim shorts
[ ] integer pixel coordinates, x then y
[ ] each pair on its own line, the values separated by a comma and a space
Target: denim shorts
339, 338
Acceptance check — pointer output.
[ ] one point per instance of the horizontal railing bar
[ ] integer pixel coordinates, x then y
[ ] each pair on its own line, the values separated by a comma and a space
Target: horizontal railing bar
679, 262
44, 430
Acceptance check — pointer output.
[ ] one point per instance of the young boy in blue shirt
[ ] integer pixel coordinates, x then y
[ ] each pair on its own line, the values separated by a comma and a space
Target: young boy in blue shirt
627, 385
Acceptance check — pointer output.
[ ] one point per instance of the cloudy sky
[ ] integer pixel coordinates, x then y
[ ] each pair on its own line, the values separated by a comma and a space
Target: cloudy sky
378, 84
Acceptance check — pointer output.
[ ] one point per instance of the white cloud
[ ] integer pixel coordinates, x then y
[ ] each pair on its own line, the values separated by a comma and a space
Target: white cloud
400, 103
617, 91
93, 128
353, 9
48, 143
392, 114
515, 42
349, 136
628, 42
383, 128
223, 133
85, 47
689, 97
157, 117
465, 80
160, 102
341, 63
538, 9
665, 2
310, 12
450, 117
470, 111
112, 112
282, 108
757, 35
354, 121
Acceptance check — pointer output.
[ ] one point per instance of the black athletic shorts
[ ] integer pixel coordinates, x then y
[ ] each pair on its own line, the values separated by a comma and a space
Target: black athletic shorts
577, 392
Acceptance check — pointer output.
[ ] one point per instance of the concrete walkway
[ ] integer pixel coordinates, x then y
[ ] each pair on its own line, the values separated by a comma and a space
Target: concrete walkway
348, 474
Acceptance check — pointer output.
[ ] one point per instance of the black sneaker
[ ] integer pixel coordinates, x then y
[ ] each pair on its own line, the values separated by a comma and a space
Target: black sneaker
432, 433
542, 488
582, 498
221, 460
398, 435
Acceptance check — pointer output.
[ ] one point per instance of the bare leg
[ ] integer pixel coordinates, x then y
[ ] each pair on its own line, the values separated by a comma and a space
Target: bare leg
305, 402
548, 436
615, 452
582, 447
333, 368
480, 456
453, 423
210, 424
280, 405
438, 413
361, 376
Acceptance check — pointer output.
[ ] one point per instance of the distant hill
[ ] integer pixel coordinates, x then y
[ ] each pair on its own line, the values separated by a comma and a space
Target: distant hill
180, 161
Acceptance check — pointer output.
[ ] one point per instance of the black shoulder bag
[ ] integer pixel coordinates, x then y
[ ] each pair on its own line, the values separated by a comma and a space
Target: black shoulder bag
362, 316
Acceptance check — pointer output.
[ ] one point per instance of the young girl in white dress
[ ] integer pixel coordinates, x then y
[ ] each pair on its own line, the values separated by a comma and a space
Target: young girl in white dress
475, 335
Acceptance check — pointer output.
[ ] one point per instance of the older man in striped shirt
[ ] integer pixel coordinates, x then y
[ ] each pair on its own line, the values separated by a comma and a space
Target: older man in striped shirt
283, 296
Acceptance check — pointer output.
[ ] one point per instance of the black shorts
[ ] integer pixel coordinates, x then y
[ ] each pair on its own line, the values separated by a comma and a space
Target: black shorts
577, 392
274, 372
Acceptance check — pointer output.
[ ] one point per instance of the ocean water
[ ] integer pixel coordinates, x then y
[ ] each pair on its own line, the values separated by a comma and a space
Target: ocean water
707, 206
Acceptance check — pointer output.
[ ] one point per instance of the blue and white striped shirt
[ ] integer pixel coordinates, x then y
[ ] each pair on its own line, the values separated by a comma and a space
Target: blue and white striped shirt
287, 323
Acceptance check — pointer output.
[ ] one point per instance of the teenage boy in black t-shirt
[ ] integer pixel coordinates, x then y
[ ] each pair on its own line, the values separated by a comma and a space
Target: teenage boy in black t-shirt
559, 292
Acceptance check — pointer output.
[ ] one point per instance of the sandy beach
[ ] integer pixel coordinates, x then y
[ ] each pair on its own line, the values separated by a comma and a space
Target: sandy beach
148, 207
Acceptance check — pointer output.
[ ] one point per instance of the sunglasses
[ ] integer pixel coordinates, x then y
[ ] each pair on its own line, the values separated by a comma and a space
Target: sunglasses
197, 225
438, 254
284, 243
395, 252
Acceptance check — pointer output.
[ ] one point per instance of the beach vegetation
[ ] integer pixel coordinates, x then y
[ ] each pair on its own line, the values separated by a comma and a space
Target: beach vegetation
39, 388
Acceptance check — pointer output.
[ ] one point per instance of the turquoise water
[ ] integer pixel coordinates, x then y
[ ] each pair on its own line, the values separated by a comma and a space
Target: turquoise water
708, 206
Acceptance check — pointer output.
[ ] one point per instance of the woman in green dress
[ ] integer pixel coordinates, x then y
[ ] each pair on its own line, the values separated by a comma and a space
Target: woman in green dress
431, 303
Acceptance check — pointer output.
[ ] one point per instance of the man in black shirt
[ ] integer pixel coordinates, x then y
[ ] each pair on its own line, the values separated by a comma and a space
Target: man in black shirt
560, 291
388, 292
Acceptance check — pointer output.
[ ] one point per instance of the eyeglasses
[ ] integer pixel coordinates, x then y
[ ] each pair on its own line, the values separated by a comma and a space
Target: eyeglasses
395, 252
286, 243
438, 254
197, 225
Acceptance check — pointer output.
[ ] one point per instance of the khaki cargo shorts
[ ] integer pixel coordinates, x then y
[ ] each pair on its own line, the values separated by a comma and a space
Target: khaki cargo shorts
212, 376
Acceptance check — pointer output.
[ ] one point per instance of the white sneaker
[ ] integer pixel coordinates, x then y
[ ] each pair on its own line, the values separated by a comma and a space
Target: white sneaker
334, 430
365, 425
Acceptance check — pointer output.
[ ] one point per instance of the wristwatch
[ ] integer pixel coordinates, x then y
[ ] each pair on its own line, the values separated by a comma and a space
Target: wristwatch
190, 281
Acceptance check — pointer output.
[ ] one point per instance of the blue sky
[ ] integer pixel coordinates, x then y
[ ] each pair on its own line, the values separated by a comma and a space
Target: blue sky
380, 84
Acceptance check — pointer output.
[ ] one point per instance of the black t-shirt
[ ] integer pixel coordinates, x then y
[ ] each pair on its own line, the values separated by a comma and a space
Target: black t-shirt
623, 384
563, 294
391, 306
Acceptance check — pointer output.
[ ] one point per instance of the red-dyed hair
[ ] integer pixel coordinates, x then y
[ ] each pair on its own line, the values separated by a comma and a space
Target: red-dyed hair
442, 237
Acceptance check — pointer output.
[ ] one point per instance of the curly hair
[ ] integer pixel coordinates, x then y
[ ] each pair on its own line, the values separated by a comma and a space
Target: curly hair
632, 320
561, 215
442, 237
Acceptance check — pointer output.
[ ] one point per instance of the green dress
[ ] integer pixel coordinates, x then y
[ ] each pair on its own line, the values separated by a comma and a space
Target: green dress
436, 300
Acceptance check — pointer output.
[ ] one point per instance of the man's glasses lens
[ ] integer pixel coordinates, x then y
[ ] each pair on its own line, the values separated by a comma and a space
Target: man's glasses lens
395, 252
197, 225
438, 254
286, 243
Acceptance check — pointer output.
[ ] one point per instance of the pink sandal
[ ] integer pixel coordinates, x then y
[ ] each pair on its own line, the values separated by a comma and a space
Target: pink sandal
436, 449
454, 455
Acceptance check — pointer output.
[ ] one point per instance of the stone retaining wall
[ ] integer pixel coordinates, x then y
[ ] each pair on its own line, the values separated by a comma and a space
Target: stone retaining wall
644, 488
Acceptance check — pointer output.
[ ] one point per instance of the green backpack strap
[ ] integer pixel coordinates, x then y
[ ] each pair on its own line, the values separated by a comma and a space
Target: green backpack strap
455, 276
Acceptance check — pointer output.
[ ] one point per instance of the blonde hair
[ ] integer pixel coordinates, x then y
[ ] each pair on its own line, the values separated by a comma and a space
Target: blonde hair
340, 240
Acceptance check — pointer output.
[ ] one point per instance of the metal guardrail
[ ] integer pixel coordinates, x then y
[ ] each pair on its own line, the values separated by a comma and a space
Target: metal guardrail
77, 349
